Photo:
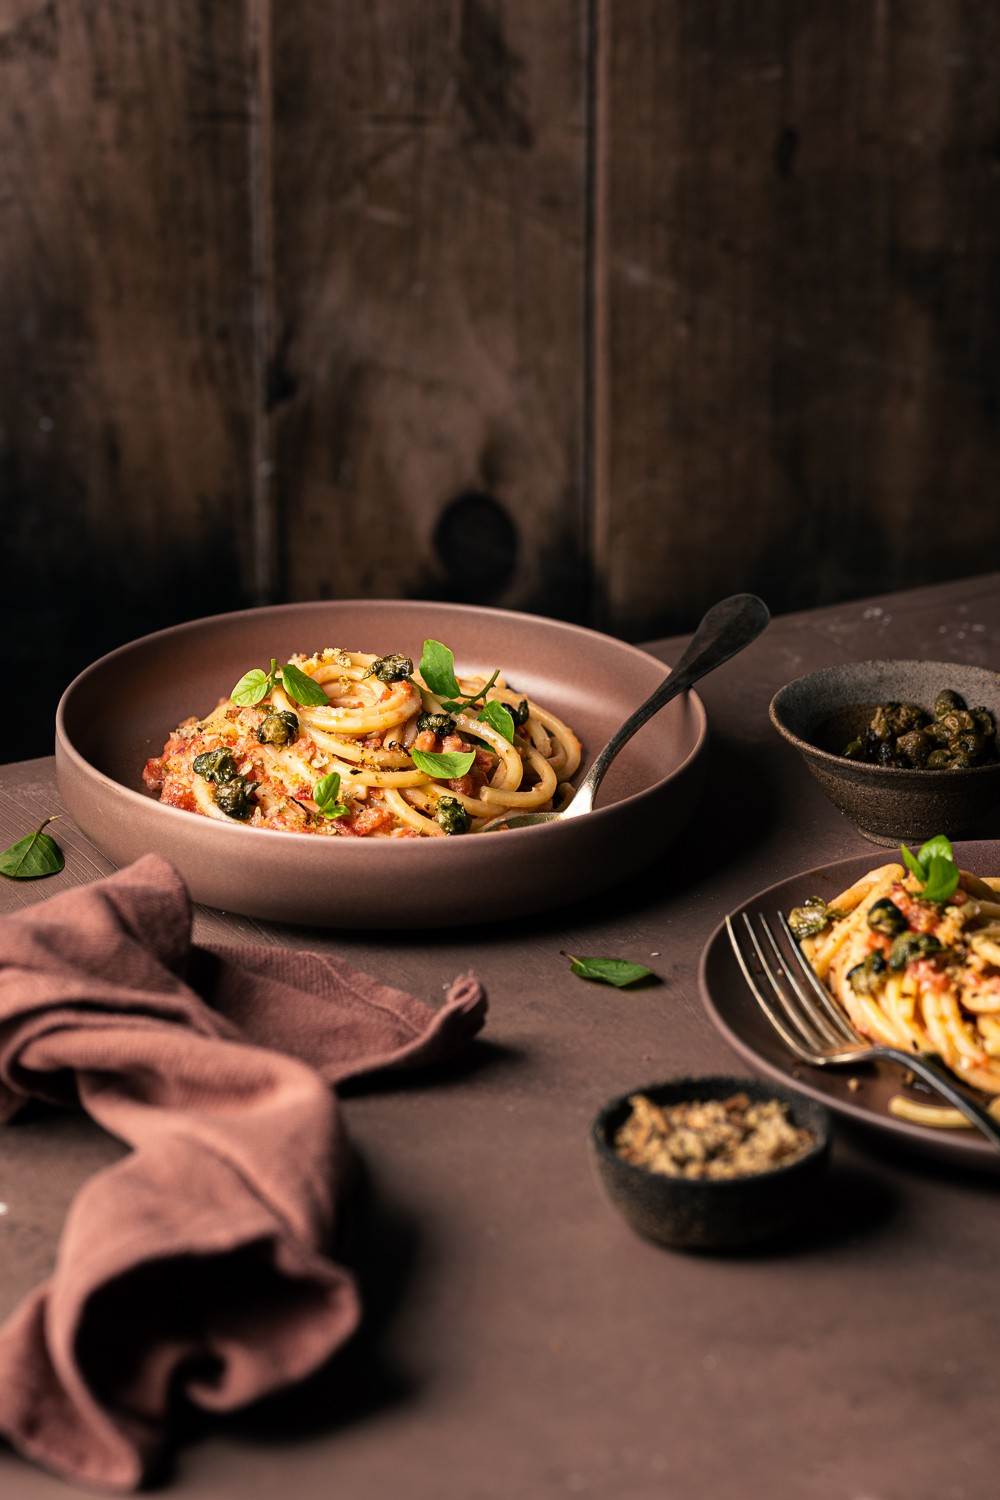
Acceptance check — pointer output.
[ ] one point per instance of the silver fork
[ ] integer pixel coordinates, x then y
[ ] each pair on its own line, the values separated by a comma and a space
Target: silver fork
813, 1026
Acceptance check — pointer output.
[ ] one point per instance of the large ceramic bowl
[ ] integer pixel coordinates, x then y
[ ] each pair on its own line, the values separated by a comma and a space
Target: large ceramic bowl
821, 712
119, 711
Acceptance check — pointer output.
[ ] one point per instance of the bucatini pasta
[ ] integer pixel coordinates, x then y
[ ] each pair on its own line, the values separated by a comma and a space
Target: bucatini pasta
916, 973
350, 744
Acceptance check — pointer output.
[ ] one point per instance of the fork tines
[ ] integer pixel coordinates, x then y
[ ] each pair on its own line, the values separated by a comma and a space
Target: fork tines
785, 987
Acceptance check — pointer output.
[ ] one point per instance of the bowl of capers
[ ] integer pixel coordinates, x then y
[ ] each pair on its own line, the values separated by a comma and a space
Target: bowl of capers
902, 748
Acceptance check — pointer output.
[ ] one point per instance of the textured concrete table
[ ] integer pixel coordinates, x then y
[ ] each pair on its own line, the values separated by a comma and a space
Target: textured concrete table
520, 1341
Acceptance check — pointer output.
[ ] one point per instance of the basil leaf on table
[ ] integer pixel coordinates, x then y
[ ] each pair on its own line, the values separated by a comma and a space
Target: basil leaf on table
445, 765
437, 668
254, 685
35, 855
325, 794
616, 971
500, 717
302, 688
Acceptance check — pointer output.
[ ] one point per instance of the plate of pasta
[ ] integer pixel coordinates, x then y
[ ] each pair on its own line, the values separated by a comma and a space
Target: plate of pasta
910, 949
339, 763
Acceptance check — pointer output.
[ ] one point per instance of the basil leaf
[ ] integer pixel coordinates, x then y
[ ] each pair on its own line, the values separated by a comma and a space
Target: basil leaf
942, 879
938, 845
33, 856
252, 687
912, 863
325, 794
500, 717
616, 971
437, 668
302, 689
449, 764
468, 701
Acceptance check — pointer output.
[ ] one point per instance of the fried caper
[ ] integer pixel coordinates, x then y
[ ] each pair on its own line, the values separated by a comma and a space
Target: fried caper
957, 721
435, 724
910, 945
391, 668
812, 917
278, 727
915, 747
885, 916
519, 712
865, 977
452, 815
946, 702
235, 797
215, 765
938, 760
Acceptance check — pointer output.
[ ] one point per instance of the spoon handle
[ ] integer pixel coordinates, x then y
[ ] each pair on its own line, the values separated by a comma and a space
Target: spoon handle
724, 630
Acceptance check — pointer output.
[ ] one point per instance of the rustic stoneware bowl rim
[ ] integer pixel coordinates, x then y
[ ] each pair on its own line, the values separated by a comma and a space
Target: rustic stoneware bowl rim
821, 1123
842, 763
398, 846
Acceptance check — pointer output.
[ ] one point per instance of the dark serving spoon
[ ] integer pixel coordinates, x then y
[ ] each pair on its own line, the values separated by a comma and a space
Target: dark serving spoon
725, 629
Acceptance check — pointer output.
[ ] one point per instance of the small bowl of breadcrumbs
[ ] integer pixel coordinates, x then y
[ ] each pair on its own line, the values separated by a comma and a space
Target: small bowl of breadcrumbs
711, 1163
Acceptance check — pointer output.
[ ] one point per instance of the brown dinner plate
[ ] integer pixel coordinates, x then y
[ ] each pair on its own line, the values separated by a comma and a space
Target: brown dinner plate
737, 1015
119, 712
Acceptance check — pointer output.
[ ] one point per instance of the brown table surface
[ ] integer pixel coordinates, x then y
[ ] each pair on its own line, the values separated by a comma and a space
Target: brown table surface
520, 1341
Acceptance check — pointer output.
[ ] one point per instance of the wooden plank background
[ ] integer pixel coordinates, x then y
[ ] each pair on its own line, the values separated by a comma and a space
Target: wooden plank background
598, 308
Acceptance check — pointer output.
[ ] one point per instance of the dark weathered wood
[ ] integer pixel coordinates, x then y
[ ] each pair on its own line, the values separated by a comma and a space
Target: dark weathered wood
799, 209
126, 330
427, 379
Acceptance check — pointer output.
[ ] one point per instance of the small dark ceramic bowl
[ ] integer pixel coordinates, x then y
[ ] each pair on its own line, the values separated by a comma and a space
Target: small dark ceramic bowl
819, 714
712, 1213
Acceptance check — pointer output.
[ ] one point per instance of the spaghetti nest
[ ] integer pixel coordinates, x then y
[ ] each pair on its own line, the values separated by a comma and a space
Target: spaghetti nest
916, 974
346, 768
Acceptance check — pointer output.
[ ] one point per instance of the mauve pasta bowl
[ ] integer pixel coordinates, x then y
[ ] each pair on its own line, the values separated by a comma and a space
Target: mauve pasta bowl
699, 1213
820, 713
118, 712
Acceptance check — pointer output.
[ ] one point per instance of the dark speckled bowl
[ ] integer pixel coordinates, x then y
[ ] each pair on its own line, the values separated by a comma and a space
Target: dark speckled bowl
712, 1214
822, 712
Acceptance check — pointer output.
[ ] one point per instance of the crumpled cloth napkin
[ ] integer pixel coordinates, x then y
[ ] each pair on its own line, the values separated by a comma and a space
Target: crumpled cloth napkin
197, 1266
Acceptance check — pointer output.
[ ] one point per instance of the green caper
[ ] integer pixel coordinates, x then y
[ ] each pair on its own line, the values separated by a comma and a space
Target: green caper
855, 750
215, 765
885, 916
938, 760
278, 727
435, 724
957, 721
985, 722
971, 744
809, 919
946, 702
452, 815
911, 945
865, 977
235, 797
391, 668
915, 747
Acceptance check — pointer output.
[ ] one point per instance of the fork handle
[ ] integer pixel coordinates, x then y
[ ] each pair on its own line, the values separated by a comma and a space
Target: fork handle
942, 1083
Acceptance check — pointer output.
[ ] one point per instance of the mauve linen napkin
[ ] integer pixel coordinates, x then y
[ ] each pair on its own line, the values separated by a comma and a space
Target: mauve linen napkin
197, 1266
